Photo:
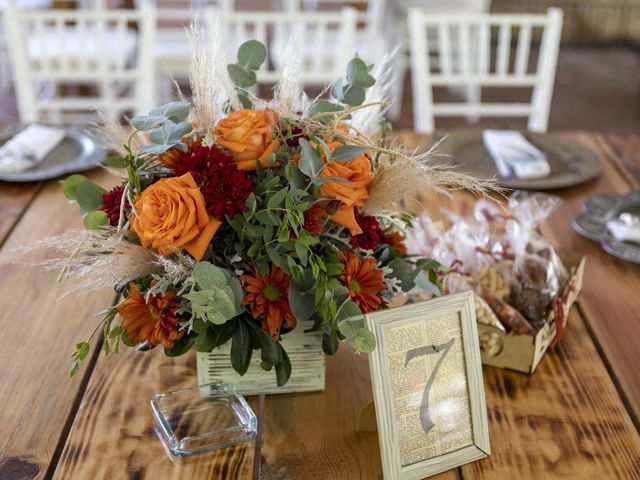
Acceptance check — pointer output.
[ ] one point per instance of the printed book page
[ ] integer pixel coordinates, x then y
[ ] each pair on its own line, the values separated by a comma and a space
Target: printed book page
431, 407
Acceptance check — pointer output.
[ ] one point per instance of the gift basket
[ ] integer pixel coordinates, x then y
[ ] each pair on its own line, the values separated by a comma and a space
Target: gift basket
523, 288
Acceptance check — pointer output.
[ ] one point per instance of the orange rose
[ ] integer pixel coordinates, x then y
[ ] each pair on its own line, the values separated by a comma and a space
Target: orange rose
357, 171
172, 215
248, 135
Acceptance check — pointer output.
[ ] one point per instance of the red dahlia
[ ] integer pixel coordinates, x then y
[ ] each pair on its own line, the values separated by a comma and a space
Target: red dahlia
198, 159
111, 204
371, 233
224, 188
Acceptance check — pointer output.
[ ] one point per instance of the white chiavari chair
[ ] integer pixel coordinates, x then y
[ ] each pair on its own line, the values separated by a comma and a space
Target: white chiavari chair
371, 39
325, 40
473, 65
107, 54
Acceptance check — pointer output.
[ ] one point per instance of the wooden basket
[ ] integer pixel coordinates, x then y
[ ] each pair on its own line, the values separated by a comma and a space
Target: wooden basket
307, 367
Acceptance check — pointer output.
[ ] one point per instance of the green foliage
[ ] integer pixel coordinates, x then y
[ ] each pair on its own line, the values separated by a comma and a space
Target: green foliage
251, 55
96, 219
352, 92
166, 127
79, 354
216, 294
241, 348
88, 196
351, 326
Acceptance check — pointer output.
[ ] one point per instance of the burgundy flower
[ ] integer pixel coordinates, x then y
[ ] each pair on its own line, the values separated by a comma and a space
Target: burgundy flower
198, 159
371, 234
224, 187
111, 204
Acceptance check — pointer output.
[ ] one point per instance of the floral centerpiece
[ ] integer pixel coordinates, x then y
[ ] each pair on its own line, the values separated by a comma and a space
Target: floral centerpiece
240, 219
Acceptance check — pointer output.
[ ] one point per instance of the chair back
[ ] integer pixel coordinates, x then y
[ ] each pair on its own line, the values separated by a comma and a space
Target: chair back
69, 63
463, 56
324, 40
370, 13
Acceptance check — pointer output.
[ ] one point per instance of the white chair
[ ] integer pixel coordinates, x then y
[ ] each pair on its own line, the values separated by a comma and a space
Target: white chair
370, 40
69, 63
325, 40
174, 17
472, 65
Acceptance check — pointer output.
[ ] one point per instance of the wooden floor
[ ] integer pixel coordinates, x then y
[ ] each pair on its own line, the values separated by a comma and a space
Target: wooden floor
597, 89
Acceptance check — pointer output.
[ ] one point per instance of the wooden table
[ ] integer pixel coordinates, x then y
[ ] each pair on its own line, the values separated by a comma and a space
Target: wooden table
577, 417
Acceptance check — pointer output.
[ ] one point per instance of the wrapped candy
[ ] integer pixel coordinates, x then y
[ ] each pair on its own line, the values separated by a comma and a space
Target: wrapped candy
500, 254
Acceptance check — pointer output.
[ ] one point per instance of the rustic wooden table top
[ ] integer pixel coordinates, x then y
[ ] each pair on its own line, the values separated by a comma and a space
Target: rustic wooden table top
577, 417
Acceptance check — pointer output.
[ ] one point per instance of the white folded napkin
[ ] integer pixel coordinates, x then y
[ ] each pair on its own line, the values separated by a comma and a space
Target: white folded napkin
514, 155
625, 228
29, 147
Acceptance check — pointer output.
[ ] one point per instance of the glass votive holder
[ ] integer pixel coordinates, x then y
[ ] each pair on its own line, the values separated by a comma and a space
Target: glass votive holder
203, 418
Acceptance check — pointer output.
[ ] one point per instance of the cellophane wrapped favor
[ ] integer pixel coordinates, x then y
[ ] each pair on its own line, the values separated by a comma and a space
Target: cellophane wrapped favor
501, 255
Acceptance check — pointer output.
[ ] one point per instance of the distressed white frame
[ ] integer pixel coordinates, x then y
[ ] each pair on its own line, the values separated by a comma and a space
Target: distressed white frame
462, 305
471, 67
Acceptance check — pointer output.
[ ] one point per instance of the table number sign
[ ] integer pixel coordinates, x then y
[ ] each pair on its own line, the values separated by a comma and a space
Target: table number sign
427, 384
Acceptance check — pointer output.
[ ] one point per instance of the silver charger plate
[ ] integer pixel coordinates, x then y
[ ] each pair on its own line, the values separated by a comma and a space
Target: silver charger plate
600, 208
571, 162
77, 152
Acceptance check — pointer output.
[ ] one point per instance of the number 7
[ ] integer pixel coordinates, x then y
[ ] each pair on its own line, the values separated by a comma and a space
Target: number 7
425, 418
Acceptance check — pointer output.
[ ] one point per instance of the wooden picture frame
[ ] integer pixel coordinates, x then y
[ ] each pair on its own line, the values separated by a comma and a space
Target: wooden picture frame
437, 420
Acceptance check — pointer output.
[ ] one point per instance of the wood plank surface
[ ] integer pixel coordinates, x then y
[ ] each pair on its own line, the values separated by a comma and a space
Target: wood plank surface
14, 199
113, 435
624, 151
315, 435
38, 335
565, 421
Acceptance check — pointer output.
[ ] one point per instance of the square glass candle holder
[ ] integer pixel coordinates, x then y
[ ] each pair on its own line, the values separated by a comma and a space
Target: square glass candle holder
202, 419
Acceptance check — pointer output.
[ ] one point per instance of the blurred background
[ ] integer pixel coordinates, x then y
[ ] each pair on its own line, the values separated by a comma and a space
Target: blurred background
48, 58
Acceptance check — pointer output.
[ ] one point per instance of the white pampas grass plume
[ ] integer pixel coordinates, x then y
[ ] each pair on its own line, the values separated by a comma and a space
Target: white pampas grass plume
289, 96
402, 175
367, 121
95, 259
114, 136
211, 87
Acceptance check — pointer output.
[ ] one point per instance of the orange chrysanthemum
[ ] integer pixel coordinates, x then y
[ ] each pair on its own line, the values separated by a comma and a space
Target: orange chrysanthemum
363, 280
269, 298
396, 240
153, 320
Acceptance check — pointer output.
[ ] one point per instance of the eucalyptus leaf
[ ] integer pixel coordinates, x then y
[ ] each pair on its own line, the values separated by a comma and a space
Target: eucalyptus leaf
175, 111
147, 122
241, 76
96, 219
302, 304
70, 184
89, 195
354, 95
345, 153
311, 164
337, 90
252, 54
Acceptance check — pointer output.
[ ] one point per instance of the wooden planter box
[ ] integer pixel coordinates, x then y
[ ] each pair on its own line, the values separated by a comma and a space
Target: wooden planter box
523, 353
307, 367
